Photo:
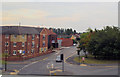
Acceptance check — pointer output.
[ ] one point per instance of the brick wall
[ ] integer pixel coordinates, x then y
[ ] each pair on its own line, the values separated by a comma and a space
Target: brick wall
67, 42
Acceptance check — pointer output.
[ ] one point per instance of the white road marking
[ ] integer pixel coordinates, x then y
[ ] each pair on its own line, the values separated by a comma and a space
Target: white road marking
65, 47
32, 63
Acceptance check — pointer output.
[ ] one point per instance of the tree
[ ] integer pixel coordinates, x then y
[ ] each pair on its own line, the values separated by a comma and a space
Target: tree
84, 39
104, 44
74, 31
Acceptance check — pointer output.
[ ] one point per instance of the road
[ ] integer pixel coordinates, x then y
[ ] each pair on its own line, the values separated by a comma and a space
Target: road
44, 66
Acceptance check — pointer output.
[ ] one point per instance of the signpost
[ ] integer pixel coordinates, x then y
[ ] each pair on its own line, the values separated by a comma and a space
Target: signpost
5, 60
62, 58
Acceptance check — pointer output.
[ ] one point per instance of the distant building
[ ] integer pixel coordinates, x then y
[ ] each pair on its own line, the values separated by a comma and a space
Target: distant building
73, 37
26, 42
65, 42
64, 36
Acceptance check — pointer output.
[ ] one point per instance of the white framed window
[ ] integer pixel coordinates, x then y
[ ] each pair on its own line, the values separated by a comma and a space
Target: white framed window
37, 36
28, 51
44, 49
23, 36
32, 50
23, 44
33, 37
14, 44
6, 36
6, 44
41, 49
33, 44
43, 36
15, 36
43, 43
28, 43
14, 52
37, 46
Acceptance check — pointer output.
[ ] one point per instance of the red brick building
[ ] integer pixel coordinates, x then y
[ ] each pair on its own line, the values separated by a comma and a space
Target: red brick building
25, 42
66, 42
52, 39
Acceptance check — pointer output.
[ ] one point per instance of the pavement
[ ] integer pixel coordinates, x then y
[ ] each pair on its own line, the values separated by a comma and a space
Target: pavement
46, 65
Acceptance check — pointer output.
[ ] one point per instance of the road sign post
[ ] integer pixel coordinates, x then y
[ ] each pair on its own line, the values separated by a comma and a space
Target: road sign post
5, 63
62, 58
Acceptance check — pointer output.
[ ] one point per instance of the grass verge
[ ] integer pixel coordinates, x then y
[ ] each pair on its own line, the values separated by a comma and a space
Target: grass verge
91, 60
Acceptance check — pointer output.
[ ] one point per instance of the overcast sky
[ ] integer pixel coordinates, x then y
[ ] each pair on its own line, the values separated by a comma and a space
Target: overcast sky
78, 15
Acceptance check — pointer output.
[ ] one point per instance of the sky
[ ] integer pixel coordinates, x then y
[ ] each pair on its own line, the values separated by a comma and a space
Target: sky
76, 15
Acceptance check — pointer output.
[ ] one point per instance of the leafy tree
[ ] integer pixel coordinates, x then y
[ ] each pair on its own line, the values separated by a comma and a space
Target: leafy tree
104, 44
75, 32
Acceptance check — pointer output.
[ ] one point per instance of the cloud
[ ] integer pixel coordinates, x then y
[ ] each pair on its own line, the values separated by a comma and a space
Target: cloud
12, 15
71, 18
35, 15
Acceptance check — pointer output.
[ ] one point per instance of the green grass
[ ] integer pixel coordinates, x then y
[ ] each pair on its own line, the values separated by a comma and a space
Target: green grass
91, 60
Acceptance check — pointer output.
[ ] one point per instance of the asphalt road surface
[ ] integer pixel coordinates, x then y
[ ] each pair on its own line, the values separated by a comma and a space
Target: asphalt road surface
48, 66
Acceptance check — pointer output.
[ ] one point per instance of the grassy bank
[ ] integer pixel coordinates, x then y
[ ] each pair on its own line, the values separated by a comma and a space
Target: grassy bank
91, 60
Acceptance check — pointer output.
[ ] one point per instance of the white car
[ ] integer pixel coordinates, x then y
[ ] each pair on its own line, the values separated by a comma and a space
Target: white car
74, 44
58, 59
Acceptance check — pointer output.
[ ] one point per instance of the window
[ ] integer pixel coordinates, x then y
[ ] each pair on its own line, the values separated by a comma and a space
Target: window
23, 52
6, 51
28, 51
29, 36
43, 43
37, 46
32, 50
15, 36
33, 44
44, 49
41, 49
37, 36
14, 52
6, 44
52, 38
43, 36
23, 44
28, 43
14, 44
33, 37
7, 36
23, 36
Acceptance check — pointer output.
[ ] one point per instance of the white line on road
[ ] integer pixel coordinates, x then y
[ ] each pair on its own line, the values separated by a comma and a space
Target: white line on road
32, 63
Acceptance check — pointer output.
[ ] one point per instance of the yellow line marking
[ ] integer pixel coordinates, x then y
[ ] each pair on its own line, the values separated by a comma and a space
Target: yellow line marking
44, 59
14, 73
68, 57
58, 70
83, 65
110, 66
102, 66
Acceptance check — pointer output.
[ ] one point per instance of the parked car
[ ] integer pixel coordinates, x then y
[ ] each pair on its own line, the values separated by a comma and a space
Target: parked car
74, 44
58, 59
